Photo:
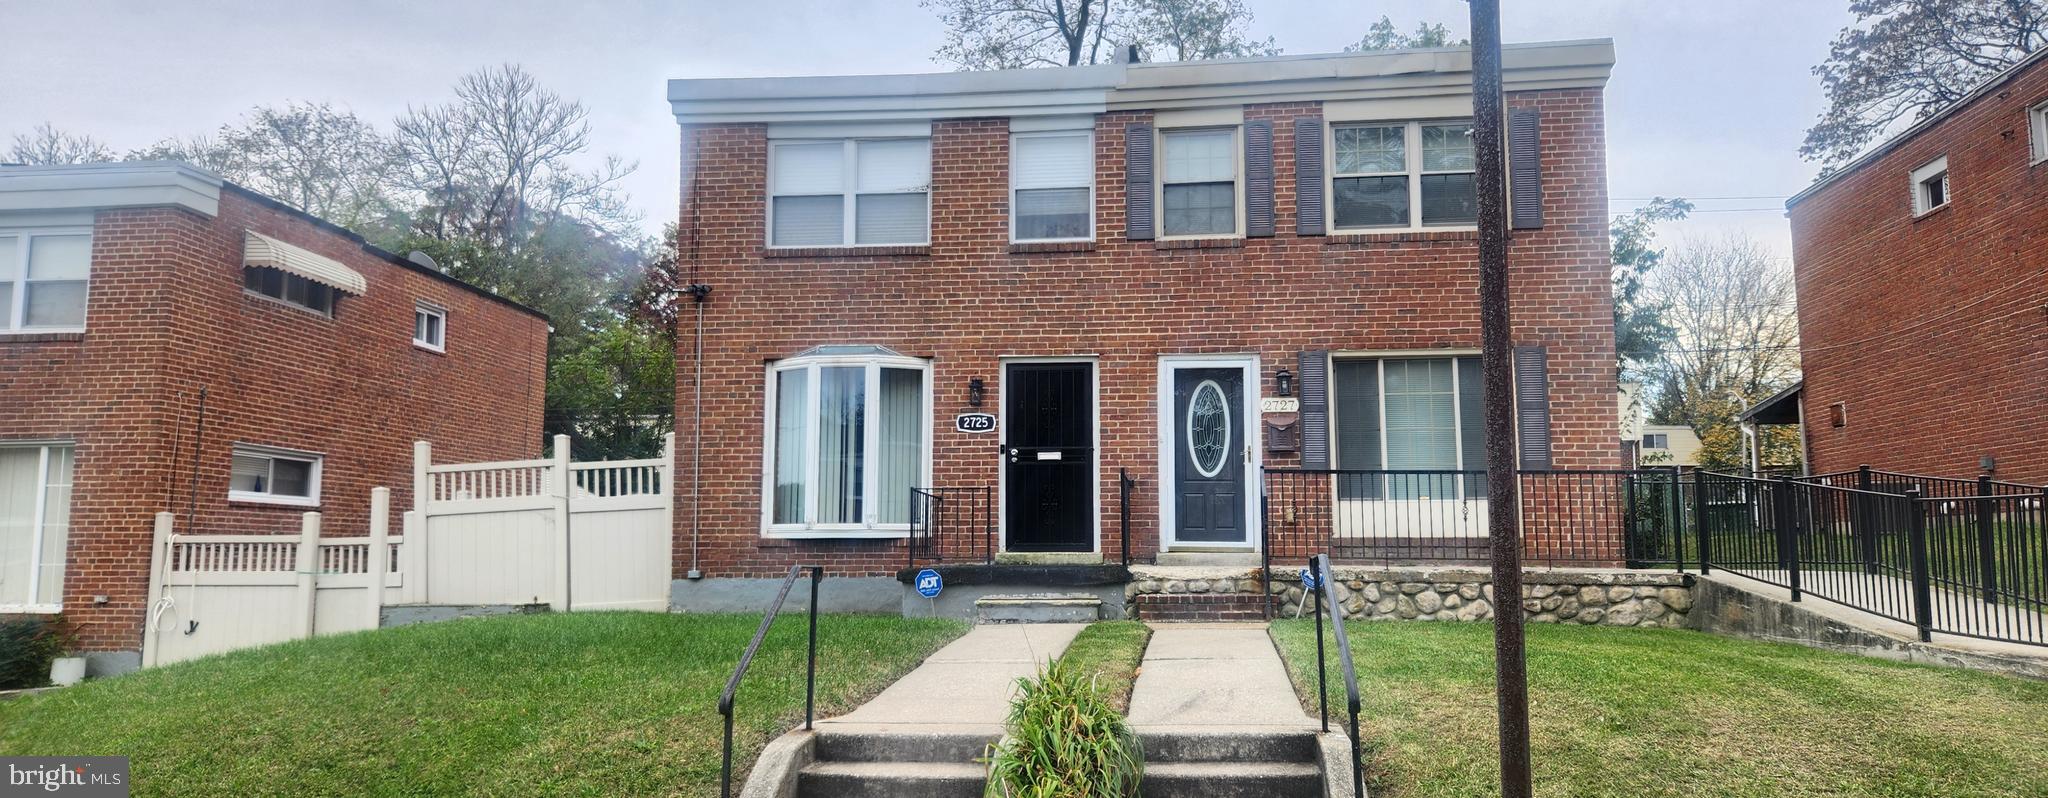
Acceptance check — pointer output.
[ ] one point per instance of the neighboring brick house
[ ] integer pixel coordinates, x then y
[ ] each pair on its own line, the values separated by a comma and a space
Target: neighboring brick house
1922, 273
129, 290
1119, 263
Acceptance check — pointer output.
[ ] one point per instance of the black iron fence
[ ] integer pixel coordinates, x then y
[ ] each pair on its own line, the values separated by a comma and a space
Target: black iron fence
739, 672
952, 525
1569, 517
1962, 557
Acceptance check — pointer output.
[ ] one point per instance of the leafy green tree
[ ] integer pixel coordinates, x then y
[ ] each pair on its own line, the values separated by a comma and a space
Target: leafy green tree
315, 157
1014, 34
1904, 60
1640, 331
615, 395
1384, 36
1197, 30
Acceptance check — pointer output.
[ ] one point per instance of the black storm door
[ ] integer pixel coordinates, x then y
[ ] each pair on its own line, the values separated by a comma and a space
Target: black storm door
1049, 456
1208, 453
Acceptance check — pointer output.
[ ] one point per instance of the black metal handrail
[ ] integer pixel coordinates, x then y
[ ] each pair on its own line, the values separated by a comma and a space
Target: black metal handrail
732, 686
1326, 600
938, 513
1124, 485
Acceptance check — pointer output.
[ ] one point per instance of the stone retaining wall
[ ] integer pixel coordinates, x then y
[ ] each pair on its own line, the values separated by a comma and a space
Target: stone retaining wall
1584, 596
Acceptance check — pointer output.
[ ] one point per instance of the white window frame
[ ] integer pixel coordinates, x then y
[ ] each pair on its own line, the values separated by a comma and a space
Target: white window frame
15, 315
432, 310
869, 527
1089, 136
849, 192
2037, 125
1411, 151
1662, 440
1159, 181
1932, 169
273, 453
1380, 370
41, 516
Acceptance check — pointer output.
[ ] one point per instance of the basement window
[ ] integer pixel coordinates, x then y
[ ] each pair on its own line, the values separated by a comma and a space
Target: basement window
274, 476
1930, 187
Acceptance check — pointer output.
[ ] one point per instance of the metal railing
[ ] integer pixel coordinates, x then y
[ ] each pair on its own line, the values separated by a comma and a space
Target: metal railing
954, 524
1914, 549
1569, 517
1326, 601
1124, 485
732, 686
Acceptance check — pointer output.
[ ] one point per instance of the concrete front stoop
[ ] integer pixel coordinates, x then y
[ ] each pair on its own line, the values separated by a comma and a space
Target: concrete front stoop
1229, 762
853, 761
1038, 608
1218, 717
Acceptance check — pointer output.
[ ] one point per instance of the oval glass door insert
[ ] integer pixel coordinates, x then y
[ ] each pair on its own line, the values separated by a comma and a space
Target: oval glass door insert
1208, 431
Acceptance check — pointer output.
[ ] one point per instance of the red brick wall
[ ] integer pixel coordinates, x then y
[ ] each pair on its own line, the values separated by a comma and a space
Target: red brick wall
1932, 331
968, 299
166, 315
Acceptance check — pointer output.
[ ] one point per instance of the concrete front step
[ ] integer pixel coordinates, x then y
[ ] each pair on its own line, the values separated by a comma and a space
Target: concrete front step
852, 743
1205, 744
892, 780
1038, 608
1232, 780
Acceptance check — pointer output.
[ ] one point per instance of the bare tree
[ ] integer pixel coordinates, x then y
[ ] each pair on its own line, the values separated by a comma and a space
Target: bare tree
1013, 34
1195, 30
313, 156
1735, 341
46, 145
1904, 60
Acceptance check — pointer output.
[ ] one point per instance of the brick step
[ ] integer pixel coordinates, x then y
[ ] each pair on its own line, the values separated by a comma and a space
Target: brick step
1192, 607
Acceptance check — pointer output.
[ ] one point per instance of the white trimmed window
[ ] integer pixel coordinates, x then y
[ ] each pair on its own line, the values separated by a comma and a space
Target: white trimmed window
1198, 180
43, 277
1930, 186
1420, 416
274, 476
429, 327
35, 525
1403, 176
2037, 121
1052, 179
849, 192
1656, 440
848, 436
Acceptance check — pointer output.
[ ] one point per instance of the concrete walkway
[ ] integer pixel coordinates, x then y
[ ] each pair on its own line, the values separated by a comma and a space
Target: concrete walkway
1214, 676
968, 683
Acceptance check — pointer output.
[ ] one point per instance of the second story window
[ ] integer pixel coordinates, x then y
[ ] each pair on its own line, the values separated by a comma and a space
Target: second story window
289, 288
429, 327
1930, 186
1051, 180
43, 277
2037, 124
1656, 440
1198, 182
849, 192
1403, 176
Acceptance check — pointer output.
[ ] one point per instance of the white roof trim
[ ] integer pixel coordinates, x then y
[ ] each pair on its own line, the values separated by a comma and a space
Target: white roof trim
109, 185
1094, 89
261, 250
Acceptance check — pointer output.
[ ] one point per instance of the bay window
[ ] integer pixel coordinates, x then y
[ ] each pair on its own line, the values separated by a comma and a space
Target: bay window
1421, 415
1403, 175
35, 525
1051, 183
43, 276
849, 192
847, 438
1198, 182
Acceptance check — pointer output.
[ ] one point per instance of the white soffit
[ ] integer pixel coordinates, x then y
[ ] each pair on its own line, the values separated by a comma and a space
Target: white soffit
1040, 124
1401, 108
1202, 117
850, 130
85, 187
261, 250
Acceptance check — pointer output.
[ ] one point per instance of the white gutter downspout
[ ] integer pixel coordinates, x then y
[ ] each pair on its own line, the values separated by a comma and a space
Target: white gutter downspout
1749, 435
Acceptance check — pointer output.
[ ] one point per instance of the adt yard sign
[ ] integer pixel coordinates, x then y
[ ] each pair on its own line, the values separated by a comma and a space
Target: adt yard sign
929, 584
1308, 579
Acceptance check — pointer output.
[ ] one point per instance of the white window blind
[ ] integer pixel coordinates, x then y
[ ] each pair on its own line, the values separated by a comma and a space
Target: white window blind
850, 191
1200, 156
35, 526
1198, 194
850, 441
43, 277
1050, 176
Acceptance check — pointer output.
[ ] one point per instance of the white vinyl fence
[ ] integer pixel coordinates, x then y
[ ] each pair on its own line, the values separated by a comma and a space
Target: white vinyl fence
574, 536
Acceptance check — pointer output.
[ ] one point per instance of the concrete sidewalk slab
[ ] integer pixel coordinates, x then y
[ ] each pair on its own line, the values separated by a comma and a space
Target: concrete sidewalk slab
1214, 675
969, 682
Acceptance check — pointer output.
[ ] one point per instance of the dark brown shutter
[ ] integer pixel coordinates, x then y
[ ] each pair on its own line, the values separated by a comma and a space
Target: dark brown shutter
1258, 178
1525, 175
1138, 182
1308, 177
1313, 372
1532, 406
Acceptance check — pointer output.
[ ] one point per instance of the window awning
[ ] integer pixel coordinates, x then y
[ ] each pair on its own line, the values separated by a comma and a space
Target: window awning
261, 250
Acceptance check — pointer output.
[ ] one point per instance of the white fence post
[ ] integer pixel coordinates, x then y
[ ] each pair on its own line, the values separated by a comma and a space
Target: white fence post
159, 570
307, 566
564, 483
379, 560
415, 558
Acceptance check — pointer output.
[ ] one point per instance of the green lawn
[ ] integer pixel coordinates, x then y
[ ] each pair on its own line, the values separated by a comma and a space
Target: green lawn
1110, 650
1661, 712
584, 704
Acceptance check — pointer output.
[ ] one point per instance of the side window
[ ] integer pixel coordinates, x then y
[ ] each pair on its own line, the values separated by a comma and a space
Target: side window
1198, 182
429, 327
43, 277
1052, 178
1930, 186
274, 476
2037, 121
289, 288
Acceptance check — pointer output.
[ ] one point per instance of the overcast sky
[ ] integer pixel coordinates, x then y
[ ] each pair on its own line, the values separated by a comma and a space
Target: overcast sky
1708, 99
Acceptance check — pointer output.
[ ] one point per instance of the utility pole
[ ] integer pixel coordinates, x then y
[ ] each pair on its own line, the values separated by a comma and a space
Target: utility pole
1511, 678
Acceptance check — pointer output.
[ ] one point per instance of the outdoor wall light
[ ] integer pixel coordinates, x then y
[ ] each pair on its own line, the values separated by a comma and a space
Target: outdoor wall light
976, 389
1283, 383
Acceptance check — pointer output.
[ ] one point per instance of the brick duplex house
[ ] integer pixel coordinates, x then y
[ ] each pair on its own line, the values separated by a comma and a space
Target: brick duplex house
1187, 273
173, 342
1920, 273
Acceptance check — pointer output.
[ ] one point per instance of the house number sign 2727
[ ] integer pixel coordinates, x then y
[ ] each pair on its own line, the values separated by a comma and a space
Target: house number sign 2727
974, 422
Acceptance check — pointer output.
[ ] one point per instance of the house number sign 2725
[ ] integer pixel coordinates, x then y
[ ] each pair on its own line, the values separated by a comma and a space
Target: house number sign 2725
974, 422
